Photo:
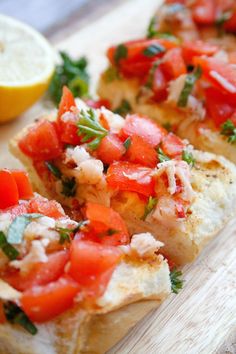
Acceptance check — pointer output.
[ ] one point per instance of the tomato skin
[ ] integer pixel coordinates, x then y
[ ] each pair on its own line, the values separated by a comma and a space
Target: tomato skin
67, 102
173, 64
110, 149
69, 133
43, 303
41, 142
159, 86
172, 145
204, 12
46, 207
98, 103
101, 220
144, 127
8, 190
89, 261
23, 184
2, 313
40, 273
230, 25
118, 178
197, 48
141, 152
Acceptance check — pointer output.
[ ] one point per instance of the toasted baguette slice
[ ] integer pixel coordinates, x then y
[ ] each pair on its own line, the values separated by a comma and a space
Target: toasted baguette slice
213, 182
203, 136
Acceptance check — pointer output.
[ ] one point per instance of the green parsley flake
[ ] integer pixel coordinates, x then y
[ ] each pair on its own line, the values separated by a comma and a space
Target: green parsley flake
152, 202
228, 129
176, 281
162, 156
188, 157
121, 52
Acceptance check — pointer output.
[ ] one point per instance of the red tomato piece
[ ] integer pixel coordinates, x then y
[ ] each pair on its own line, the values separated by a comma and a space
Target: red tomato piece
43, 303
230, 25
104, 220
197, 48
9, 195
89, 261
46, 207
204, 12
159, 86
41, 142
110, 149
141, 152
2, 314
98, 103
172, 145
126, 176
67, 102
173, 64
23, 184
40, 273
69, 132
144, 127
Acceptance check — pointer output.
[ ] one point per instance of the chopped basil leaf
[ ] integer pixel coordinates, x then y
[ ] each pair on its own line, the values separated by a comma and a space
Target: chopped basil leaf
162, 157
149, 82
121, 52
152, 202
123, 108
167, 126
10, 251
228, 129
188, 157
176, 282
66, 233
111, 74
153, 50
15, 315
151, 31
188, 86
18, 225
90, 128
53, 169
72, 73
127, 143
68, 186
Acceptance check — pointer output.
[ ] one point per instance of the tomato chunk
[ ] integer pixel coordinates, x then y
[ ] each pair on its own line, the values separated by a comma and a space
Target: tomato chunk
172, 145
67, 102
141, 152
159, 86
43, 303
23, 184
41, 141
230, 25
126, 176
110, 149
204, 12
173, 64
107, 224
144, 127
90, 261
46, 207
2, 313
98, 103
197, 48
9, 194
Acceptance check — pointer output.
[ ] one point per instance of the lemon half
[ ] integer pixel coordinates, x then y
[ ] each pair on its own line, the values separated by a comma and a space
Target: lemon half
26, 65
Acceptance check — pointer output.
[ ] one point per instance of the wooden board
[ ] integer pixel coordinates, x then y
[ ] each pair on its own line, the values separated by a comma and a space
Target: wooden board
202, 318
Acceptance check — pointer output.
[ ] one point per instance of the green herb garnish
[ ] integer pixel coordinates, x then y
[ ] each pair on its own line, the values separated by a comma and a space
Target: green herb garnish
162, 156
149, 82
68, 186
53, 169
10, 251
111, 74
90, 129
66, 233
127, 143
188, 86
152, 202
188, 157
153, 50
18, 225
176, 282
228, 129
72, 73
167, 126
220, 21
15, 315
121, 52
151, 31
123, 108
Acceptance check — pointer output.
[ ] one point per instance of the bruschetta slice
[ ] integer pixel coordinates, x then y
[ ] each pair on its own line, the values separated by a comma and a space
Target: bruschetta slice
65, 285
188, 86
155, 180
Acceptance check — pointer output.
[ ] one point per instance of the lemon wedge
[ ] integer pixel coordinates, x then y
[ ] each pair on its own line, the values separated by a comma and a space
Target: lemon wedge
26, 66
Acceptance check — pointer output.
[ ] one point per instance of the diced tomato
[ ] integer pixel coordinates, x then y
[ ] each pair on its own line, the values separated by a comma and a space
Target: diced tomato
2, 313
69, 132
230, 25
141, 152
9, 195
204, 12
40, 273
67, 102
197, 48
110, 149
172, 145
126, 176
17, 210
218, 106
23, 184
46, 207
41, 142
98, 103
89, 262
173, 64
159, 86
104, 220
43, 303
221, 75
144, 127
